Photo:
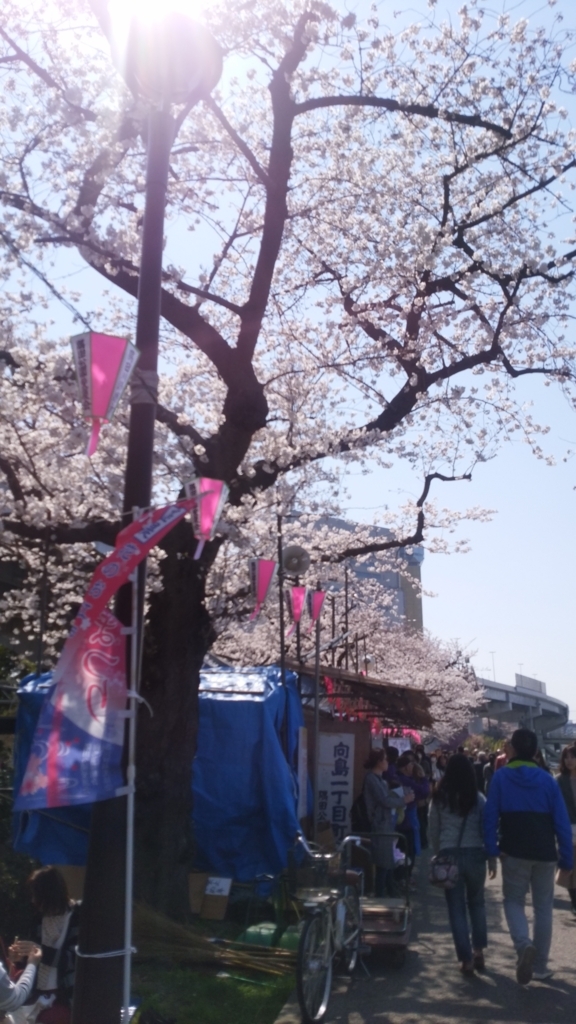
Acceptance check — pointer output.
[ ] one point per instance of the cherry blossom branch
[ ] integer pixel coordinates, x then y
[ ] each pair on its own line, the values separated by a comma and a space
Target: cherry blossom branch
12, 480
220, 116
44, 75
98, 530
209, 296
170, 420
403, 542
276, 209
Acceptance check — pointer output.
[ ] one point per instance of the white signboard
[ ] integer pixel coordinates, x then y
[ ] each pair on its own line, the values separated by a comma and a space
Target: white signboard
218, 887
336, 781
302, 772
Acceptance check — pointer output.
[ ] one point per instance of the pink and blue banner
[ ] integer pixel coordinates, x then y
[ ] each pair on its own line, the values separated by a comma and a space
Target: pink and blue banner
132, 545
76, 755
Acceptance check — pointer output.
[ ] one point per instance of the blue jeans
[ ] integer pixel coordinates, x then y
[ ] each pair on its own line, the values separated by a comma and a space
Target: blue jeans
468, 893
519, 875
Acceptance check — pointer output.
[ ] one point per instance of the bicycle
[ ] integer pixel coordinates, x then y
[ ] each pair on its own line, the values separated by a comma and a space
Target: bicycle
332, 927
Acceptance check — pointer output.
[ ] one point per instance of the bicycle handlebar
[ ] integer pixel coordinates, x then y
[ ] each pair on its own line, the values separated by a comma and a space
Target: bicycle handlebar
326, 856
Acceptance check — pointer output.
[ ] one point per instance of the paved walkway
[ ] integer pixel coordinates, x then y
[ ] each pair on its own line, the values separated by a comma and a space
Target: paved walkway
429, 989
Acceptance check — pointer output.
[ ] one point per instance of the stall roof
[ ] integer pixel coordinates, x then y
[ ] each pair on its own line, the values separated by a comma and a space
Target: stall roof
394, 704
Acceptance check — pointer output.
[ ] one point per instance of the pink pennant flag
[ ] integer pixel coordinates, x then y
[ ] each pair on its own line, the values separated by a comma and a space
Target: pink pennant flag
104, 364
315, 603
296, 600
262, 572
210, 497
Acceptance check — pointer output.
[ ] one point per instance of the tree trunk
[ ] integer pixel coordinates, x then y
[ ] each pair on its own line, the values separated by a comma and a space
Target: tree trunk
177, 636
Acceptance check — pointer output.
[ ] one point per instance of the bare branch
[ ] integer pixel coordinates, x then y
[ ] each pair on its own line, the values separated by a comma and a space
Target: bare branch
429, 110
238, 141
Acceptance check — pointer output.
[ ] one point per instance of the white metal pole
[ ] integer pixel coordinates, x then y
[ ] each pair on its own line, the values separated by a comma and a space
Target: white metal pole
316, 733
131, 784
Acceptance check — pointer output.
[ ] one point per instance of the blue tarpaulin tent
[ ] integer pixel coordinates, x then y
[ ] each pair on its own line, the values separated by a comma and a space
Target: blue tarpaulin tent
244, 779
244, 784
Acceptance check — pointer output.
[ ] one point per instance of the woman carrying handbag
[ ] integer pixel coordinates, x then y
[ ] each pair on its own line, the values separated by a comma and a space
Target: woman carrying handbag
455, 832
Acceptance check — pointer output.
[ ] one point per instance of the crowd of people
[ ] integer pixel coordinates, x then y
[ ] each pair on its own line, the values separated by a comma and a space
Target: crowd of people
477, 810
36, 986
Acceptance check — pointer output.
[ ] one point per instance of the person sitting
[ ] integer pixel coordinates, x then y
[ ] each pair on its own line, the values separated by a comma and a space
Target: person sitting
14, 994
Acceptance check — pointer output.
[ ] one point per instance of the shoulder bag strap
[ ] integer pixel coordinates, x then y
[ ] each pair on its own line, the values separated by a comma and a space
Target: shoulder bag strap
462, 827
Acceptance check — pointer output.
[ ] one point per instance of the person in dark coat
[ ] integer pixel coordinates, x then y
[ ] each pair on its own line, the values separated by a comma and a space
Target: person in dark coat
381, 803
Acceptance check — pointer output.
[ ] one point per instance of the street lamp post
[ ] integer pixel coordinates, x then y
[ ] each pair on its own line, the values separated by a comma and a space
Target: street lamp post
171, 60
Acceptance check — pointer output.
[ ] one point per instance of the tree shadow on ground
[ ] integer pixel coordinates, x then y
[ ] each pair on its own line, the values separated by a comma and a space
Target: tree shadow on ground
430, 989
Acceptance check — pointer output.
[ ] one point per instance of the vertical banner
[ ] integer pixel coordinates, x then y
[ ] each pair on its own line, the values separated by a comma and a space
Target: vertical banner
336, 781
302, 772
76, 754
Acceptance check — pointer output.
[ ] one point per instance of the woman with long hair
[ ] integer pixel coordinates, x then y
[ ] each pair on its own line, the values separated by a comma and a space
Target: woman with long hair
567, 783
456, 828
381, 802
59, 919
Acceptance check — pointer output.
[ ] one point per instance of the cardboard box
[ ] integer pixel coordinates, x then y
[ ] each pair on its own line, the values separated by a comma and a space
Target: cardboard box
216, 896
197, 882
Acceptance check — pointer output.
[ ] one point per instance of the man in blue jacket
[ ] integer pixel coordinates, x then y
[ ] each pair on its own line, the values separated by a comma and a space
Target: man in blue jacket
526, 806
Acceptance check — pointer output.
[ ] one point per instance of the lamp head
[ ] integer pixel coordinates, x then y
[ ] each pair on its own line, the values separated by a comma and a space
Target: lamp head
162, 54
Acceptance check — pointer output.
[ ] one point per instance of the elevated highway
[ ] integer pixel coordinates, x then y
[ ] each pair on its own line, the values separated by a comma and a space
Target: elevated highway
525, 704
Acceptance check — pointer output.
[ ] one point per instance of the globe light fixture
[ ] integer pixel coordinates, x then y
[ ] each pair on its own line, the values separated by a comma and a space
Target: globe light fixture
162, 53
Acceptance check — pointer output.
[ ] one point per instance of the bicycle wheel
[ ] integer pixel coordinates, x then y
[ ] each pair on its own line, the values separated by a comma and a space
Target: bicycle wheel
352, 928
314, 968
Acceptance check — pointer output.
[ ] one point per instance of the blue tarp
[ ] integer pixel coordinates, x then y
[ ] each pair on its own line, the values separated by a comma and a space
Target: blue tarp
245, 790
58, 835
244, 786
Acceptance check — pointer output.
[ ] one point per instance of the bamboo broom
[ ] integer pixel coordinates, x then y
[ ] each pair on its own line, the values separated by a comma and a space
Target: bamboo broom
158, 937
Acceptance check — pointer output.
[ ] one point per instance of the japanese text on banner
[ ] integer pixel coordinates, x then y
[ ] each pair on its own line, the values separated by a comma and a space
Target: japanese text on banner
336, 781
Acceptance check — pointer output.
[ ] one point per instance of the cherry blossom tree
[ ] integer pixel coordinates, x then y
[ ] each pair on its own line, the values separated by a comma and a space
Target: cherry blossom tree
369, 245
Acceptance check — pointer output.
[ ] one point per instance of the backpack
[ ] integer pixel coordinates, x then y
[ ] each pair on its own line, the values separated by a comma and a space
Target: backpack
359, 819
